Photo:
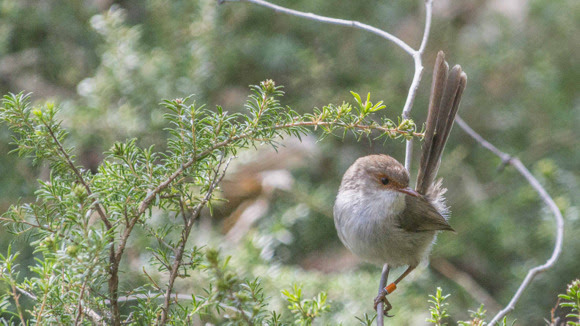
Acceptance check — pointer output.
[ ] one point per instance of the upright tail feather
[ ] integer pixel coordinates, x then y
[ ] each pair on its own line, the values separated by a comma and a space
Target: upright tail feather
446, 91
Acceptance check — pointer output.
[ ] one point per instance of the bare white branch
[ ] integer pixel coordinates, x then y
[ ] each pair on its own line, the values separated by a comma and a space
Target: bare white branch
427, 31
329, 20
415, 54
418, 61
516, 163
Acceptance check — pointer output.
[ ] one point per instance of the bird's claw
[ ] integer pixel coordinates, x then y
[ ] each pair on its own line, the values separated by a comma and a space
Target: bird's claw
382, 298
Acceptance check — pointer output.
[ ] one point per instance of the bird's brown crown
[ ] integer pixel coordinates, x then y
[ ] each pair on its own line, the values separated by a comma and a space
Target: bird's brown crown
380, 168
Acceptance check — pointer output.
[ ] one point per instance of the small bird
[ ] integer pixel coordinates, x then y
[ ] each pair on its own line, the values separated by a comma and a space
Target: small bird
377, 215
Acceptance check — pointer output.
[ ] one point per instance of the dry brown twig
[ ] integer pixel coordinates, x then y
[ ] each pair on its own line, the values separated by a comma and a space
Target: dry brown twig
507, 159
219, 173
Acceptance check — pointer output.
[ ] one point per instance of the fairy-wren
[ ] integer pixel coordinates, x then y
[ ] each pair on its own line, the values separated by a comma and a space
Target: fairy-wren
378, 216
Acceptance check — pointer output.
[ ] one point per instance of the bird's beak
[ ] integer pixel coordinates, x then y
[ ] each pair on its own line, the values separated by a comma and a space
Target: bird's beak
409, 191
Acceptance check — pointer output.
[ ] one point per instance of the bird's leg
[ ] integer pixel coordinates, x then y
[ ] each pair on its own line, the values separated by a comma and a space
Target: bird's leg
383, 299
409, 270
383, 292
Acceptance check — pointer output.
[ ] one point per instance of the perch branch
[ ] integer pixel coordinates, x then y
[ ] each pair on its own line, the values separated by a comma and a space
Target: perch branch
516, 163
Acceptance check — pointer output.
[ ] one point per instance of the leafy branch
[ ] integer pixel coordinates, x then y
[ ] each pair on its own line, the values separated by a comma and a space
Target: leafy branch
572, 300
132, 181
305, 310
438, 308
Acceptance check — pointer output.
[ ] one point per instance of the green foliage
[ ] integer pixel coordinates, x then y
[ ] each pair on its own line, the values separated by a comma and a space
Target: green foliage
305, 310
5, 305
38, 135
572, 300
228, 299
110, 65
132, 75
229, 290
366, 319
439, 311
438, 308
367, 107
477, 317
9, 274
82, 222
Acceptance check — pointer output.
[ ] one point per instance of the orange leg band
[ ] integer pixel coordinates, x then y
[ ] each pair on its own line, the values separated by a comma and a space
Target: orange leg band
390, 288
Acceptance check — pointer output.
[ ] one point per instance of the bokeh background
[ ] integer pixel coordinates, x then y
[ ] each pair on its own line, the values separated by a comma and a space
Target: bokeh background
109, 63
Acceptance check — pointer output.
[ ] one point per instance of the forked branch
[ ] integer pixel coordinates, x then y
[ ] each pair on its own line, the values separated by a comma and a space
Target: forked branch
516, 163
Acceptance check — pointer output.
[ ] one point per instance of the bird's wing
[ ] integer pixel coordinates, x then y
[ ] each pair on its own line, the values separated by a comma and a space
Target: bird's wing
420, 215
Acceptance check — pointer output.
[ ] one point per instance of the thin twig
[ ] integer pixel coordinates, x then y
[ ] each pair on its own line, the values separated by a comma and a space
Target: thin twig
79, 318
16, 297
159, 239
484, 143
80, 308
161, 261
95, 317
174, 270
155, 285
79, 176
427, 30
174, 296
28, 294
516, 163
114, 278
408, 155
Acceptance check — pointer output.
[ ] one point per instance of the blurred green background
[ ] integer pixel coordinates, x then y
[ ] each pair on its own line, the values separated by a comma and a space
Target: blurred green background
109, 63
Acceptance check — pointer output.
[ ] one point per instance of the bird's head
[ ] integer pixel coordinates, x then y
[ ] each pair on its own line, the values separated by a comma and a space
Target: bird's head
374, 173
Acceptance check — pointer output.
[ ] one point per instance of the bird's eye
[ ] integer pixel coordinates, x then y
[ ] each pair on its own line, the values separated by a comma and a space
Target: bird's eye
385, 181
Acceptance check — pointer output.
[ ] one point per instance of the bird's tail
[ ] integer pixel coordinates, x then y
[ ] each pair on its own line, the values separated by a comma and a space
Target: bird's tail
446, 91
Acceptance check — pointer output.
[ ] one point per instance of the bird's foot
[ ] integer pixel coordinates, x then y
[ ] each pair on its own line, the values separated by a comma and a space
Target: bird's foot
382, 298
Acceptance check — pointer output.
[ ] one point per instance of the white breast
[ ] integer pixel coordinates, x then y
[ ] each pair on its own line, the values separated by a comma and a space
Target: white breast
368, 225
